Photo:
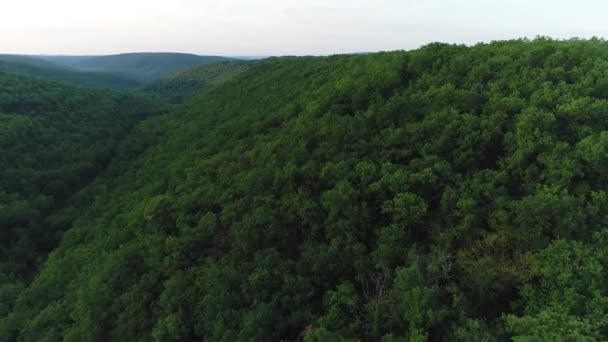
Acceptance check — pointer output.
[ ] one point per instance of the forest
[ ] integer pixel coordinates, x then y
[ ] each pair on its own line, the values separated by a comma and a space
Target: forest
54, 139
32, 67
447, 193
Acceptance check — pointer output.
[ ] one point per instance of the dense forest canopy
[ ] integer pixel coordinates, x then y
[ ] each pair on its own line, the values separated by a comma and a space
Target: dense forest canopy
185, 84
447, 193
54, 139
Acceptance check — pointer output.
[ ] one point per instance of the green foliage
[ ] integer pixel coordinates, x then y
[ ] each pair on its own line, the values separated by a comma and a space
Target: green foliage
35, 67
571, 301
447, 193
54, 140
183, 85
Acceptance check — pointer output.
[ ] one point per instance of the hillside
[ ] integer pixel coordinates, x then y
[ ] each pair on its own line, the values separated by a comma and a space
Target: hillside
54, 139
143, 67
449, 193
183, 85
28, 60
30, 66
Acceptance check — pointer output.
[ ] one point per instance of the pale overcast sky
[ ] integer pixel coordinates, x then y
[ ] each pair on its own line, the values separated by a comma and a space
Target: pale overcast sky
279, 27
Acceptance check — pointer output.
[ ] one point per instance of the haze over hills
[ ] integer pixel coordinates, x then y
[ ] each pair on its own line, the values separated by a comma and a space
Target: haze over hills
31, 66
143, 67
28, 60
123, 71
448, 193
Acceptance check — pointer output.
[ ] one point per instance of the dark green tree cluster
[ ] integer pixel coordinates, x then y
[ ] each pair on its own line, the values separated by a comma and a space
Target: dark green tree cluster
449, 193
54, 139
183, 85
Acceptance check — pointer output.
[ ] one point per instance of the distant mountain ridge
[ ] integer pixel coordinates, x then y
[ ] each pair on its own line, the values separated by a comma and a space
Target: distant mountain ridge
144, 67
36, 67
121, 71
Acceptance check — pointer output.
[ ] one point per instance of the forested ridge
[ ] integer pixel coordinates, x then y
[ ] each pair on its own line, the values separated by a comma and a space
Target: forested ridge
143, 67
185, 84
35, 67
449, 193
54, 139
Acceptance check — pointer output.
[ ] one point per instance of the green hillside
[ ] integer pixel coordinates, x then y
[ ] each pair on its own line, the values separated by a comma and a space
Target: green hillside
449, 193
185, 84
144, 67
30, 66
28, 60
54, 139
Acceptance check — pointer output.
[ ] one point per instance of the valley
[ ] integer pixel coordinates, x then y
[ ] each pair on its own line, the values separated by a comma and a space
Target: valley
446, 193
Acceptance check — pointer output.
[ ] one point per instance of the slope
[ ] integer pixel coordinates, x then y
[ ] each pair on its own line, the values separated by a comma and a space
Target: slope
28, 60
54, 139
448, 193
183, 85
30, 66
144, 67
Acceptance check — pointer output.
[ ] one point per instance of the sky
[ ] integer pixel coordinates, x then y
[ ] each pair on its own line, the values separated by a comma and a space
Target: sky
283, 27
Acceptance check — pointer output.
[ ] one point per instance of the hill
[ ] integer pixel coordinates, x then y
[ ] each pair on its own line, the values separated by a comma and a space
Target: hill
144, 67
182, 85
30, 66
448, 193
27, 60
54, 139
